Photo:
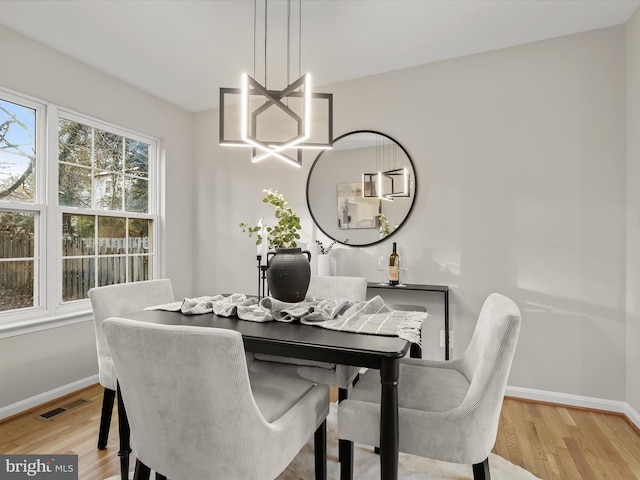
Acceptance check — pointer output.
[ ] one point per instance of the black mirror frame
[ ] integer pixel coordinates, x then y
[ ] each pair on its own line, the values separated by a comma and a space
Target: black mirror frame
413, 201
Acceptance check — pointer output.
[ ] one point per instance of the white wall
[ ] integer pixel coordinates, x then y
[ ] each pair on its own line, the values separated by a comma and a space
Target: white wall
633, 211
35, 363
521, 162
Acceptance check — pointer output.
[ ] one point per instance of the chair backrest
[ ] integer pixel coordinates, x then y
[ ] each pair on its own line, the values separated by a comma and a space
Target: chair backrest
188, 399
350, 288
120, 299
487, 362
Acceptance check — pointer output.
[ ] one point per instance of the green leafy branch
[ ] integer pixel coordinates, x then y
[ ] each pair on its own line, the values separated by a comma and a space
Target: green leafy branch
283, 234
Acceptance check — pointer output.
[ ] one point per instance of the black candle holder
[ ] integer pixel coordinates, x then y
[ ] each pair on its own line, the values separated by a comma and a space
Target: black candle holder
263, 286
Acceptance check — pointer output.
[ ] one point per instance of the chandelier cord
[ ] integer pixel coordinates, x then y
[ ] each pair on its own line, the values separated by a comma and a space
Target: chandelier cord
288, 41
265, 42
254, 38
299, 38
255, 23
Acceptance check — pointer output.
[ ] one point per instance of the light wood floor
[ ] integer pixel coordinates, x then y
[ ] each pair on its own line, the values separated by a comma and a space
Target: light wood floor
552, 442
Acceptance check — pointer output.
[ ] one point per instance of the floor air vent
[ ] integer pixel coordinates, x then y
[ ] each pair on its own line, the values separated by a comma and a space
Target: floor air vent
52, 413
65, 408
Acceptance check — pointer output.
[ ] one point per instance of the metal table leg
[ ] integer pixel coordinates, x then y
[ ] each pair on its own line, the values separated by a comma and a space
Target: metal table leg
389, 437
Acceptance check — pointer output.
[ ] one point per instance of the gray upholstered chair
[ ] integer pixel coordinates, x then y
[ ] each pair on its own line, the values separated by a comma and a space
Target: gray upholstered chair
110, 301
196, 412
448, 410
336, 375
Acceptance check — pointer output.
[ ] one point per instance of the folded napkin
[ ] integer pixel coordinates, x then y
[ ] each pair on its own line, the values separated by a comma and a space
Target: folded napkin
371, 317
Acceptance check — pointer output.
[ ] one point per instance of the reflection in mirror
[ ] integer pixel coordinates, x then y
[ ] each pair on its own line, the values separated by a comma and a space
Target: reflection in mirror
362, 177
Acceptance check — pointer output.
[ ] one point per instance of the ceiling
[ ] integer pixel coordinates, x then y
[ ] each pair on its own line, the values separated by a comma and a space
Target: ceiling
183, 51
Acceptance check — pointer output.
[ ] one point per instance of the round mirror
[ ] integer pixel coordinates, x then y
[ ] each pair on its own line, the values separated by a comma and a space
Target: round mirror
362, 190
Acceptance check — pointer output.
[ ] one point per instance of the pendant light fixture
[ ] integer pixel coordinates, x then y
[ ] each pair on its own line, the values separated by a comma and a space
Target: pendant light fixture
389, 181
275, 122
399, 177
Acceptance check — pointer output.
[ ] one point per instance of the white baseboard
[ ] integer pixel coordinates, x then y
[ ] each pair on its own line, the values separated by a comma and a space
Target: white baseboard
45, 397
633, 416
575, 401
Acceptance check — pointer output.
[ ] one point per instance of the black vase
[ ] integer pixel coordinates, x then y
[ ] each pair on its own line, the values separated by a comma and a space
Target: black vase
289, 274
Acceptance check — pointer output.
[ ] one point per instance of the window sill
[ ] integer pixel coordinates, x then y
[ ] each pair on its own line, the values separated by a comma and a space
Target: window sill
23, 327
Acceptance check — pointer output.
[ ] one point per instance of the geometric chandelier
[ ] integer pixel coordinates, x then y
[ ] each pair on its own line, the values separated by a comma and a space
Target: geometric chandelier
276, 123
391, 180
386, 185
399, 179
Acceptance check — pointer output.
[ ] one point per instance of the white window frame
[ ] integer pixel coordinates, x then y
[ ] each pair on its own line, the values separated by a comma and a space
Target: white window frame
51, 310
38, 207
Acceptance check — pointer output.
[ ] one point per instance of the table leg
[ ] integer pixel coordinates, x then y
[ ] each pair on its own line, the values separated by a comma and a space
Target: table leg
446, 325
389, 438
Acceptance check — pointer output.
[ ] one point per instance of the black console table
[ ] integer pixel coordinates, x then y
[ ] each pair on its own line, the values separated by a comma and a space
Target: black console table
444, 289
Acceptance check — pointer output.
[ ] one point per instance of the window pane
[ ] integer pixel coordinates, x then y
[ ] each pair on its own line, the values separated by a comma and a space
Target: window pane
16, 285
111, 235
78, 235
137, 195
74, 142
74, 186
112, 270
139, 236
102, 170
78, 276
108, 190
136, 159
17, 152
139, 268
16, 235
108, 150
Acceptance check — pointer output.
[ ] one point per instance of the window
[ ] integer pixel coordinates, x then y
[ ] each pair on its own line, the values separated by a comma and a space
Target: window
101, 172
95, 224
19, 212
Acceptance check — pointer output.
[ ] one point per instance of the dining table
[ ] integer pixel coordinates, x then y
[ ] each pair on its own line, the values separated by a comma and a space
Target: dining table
297, 340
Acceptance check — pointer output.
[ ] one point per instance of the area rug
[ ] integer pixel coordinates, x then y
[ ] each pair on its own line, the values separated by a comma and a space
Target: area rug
367, 464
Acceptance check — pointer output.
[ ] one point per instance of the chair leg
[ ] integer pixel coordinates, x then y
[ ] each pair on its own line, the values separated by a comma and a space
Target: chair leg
345, 454
481, 470
320, 451
142, 472
125, 441
343, 393
105, 419
160, 477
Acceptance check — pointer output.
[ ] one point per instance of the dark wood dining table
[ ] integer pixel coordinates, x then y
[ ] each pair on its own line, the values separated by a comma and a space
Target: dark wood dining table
314, 343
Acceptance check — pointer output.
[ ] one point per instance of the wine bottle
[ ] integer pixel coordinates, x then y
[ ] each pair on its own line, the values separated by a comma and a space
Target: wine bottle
394, 267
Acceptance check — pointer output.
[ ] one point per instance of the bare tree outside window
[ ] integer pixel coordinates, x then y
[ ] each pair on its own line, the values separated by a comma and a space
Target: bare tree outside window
103, 207
17, 184
17, 152
99, 171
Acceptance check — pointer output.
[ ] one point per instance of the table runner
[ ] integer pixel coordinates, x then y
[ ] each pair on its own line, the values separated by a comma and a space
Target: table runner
371, 317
